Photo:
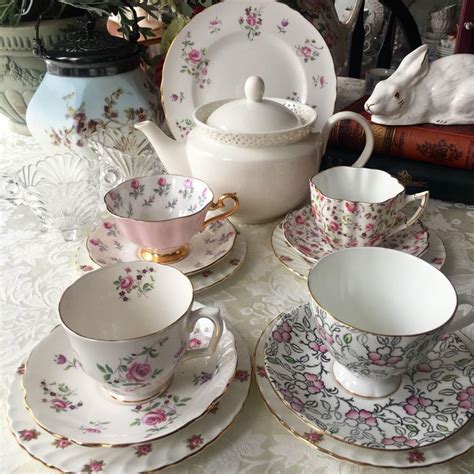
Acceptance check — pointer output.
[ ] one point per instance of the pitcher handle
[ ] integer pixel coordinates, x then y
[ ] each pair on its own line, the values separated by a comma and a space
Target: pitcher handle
423, 197
369, 136
461, 323
219, 204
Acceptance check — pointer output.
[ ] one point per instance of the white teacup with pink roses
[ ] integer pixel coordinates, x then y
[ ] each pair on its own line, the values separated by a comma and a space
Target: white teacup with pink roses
129, 326
356, 207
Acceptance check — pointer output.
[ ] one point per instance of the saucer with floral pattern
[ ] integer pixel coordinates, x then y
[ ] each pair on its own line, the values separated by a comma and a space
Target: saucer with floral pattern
453, 447
301, 232
66, 402
107, 245
435, 398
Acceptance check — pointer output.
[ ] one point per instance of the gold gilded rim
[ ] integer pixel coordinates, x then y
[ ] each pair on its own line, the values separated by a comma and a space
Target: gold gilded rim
122, 445
315, 446
339, 438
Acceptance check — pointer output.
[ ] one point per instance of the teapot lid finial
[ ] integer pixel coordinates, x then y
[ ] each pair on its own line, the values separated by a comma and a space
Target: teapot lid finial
254, 88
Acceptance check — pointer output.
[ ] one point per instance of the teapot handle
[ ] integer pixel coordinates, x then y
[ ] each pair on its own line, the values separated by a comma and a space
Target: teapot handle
369, 136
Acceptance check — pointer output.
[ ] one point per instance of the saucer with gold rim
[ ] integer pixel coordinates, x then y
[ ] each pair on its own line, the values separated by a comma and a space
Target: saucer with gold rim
67, 403
453, 447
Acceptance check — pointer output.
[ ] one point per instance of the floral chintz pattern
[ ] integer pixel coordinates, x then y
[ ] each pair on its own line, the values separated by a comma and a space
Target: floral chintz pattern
215, 25
425, 409
138, 283
134, 372
283, 26
59, 396
195, 62
184, 127
251, 22
309, 50
179, 97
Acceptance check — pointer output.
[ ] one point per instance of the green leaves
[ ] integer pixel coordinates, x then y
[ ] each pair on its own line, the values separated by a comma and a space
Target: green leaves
347, 338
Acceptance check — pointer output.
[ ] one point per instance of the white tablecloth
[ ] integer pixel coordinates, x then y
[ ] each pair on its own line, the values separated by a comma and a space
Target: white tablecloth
36, 266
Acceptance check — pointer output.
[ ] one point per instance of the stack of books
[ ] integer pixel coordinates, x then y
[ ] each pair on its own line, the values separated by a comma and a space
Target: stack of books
439, 158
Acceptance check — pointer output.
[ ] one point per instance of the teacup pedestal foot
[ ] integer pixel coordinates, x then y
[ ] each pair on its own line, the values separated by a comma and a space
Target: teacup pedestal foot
132, 398
152, 255
365, 386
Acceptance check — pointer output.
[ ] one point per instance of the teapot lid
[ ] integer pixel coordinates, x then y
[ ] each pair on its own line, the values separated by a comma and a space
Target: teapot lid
253, 114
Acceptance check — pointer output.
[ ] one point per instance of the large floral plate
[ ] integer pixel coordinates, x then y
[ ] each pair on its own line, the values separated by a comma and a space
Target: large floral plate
107, 245
296, 263
220, 48
65, 402
202, 280
69, 457
301, 232
453, 447
432, 403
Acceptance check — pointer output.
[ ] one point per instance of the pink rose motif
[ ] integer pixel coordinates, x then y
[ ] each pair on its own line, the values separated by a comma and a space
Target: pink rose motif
61, 443
195, 441
91, 430
126, 282
154, 417
194, 342
251, 20
318, 347
174, 97
369, 227
261, 371
94, 242
299, 219
138, 372
305, 51
420, 407
28, 435
400, 442
108, 225
214, 22
420, 234
143, 450
415, 456
363, 419
351, 206
313, 437
188, 183
194, 56
95, 466
113, 195
241, 375
59, 404
334, 226
315, 385
135, 184
284, 23
21, 369
466, 398
60, 359
374, 240
322, 81
162, 181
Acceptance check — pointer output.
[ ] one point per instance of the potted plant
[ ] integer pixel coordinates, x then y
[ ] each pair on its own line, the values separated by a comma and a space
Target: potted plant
20, 71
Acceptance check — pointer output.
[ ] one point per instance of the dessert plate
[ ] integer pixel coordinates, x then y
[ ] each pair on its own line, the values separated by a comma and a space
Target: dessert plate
107, 245
296, 263
64, 401
68, 457
202, 280
432, 403
211, 58
301, 232
451, 448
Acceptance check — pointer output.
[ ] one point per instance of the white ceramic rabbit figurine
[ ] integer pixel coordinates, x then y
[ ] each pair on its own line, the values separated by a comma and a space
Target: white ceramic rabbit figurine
418, 92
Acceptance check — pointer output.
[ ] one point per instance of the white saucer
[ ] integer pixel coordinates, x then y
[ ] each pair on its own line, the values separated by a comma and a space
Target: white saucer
69, 457
65, 402
215, 53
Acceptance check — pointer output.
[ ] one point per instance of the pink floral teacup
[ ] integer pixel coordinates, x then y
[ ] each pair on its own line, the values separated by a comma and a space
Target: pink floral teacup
162, 213
360, 206
129, 326
379, 312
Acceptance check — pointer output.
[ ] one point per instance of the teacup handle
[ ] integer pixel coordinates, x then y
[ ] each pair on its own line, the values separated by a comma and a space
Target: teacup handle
219, 205
423, 197
466, 320
369, 136
213, 314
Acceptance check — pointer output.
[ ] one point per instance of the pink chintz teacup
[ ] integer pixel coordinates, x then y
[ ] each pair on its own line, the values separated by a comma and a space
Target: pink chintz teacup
360, 207
162, 213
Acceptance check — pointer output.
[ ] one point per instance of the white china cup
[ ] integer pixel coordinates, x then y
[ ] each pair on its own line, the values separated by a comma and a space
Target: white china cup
129, 325
380, 311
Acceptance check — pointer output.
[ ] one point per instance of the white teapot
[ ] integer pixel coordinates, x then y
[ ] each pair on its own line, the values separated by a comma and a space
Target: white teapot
265, 150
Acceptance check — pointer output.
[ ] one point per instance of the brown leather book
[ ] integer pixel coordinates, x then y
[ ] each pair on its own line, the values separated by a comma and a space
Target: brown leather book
446, 145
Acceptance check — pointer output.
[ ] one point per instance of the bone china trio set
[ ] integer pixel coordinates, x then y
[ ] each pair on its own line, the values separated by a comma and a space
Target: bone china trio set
369, 371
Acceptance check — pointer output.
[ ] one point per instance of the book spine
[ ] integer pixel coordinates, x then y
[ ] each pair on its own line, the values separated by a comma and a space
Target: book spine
448, 184
448, 148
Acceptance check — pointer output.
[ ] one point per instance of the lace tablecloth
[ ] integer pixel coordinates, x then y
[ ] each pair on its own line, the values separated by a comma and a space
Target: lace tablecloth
37, 266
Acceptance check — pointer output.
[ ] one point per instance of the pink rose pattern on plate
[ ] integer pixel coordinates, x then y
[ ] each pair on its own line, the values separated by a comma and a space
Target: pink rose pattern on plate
428, 407
143, 450
215, 26
195, 62
95, 427
93, 466
138, 284
194, 442
135, 371
309, 50
283, 26
61, 443
29, 434
59, 396
251, 22
158, 413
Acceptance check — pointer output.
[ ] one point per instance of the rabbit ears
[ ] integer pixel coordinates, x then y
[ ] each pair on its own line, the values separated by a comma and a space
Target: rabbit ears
413, 67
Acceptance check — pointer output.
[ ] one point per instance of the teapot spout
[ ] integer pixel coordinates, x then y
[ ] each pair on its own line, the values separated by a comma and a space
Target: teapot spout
171, 153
